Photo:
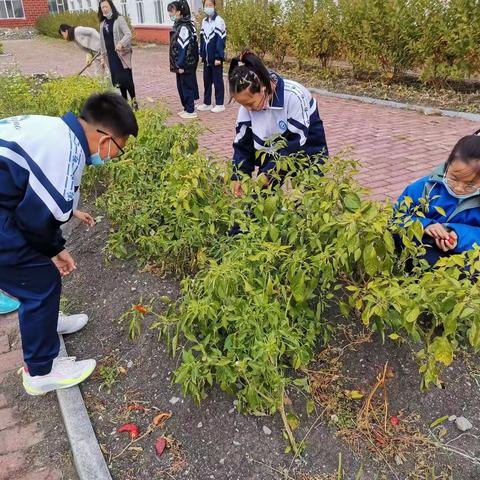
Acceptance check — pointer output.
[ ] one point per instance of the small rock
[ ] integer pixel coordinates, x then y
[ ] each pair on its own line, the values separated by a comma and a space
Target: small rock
129, 364
452, 418
463, 424
237, 444
222, 461
231, 410
398, 460
200, 425
174, 400
133, 289
266, 430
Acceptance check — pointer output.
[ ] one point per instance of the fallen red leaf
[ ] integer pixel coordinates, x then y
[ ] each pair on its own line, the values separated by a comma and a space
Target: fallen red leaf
140, 308
131, 428
394, 420
160, 445
135, 407
161, 418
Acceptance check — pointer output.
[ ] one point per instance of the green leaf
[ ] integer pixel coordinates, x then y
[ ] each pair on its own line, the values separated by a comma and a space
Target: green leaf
293, 421
352, 201
310, 406
438, 421
442, 350
412, 315
441, 211
394, 336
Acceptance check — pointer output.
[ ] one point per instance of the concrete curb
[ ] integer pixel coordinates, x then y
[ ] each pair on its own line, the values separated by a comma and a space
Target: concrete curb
473, 117
87, 456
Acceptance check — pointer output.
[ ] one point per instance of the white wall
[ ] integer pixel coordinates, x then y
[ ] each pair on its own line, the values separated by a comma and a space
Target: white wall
132, 8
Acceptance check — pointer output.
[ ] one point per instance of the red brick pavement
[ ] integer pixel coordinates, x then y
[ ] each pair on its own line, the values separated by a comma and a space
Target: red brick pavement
393, 146
17, 437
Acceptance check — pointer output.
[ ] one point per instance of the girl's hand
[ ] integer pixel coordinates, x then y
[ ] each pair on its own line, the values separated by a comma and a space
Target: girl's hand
102, 62
450, 244
119, 47
218, 63
85, 217
437, 231
237, 189
64, 262
181, 70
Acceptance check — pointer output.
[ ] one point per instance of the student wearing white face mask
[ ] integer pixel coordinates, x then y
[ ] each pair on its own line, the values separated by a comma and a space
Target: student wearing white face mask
447, 202
271, 106
212, 51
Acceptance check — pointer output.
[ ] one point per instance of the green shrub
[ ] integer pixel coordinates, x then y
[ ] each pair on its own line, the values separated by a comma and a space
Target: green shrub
166, 200
1, 48
22, 95
49, 24
447, 46
379, 35
253, 24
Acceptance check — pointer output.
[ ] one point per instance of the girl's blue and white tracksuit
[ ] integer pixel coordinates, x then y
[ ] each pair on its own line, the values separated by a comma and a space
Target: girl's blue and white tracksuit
293, 114
213, 37
41, 164
461, 215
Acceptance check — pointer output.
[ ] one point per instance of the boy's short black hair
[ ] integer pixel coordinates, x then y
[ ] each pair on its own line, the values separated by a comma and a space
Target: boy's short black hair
112, 112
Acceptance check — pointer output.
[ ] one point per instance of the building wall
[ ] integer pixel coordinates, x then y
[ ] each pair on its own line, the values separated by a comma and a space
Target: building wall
32, 9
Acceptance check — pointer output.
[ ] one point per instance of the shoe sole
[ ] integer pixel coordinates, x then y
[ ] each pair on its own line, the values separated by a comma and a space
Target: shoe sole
50, 388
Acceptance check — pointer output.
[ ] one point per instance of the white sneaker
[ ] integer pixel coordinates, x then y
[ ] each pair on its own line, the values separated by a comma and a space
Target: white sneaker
204, 108
180, 112
71, 323
218, 109
188, 115
66, 372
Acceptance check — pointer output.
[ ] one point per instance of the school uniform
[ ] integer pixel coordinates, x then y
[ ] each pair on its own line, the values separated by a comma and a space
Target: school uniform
292, 114
41, 164
184, 56
461, 215
212, 47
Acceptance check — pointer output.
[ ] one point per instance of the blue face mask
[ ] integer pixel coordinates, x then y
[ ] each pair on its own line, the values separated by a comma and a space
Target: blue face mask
209, 11
96, 160
109, 15
173, 18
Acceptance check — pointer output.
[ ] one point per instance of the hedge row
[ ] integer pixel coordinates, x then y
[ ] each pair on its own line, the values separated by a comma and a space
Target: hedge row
436, 38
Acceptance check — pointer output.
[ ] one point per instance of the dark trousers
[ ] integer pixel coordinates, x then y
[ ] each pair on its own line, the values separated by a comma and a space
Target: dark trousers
37, 285
213, 75
187, 87
128, 87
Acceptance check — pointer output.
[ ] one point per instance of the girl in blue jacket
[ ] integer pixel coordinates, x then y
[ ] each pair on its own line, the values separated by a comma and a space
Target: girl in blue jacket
212, 50
451, 208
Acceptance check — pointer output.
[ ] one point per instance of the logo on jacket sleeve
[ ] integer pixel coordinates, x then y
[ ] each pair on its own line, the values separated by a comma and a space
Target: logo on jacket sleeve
282, 125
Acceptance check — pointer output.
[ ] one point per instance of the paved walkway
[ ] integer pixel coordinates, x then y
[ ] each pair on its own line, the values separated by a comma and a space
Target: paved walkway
393, 146
18, 437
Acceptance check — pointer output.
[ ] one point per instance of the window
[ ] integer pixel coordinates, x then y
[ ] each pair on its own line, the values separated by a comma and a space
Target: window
89, 4
80, 4
140, 12
123, 6
11, 9
57, 6
159, 11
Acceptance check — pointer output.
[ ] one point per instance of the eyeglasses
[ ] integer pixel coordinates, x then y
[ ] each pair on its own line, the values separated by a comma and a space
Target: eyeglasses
120, 149
466, 187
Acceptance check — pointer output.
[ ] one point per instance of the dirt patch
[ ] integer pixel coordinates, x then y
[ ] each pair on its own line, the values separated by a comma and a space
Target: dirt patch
214, 441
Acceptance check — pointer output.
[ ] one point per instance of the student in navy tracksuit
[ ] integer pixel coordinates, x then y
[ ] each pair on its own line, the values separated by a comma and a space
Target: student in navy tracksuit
271, 106
41, 164
453, 187
184, 56
212, 50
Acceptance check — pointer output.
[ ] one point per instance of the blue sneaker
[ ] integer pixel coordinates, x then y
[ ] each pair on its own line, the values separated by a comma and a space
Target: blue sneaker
8, 304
